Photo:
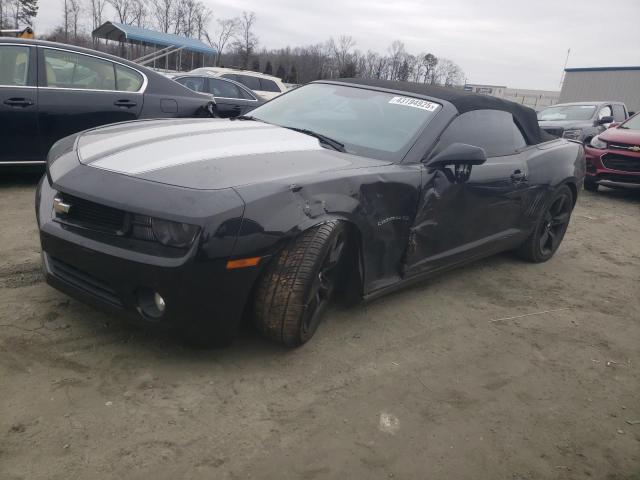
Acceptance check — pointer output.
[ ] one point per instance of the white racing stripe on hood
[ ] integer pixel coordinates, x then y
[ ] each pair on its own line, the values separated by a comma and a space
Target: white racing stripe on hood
103, 142
164, 153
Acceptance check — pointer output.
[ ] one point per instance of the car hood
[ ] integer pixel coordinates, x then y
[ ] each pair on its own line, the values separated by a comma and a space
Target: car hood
209, 154
621, 135
564, 124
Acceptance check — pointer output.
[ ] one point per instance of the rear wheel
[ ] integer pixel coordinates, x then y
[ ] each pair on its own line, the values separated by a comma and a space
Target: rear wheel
550, 229
299, 284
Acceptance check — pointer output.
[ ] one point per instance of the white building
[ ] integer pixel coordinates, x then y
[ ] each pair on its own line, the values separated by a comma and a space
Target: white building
602, 83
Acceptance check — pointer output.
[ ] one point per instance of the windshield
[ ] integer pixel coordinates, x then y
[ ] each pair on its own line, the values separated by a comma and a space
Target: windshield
633, 123
369, 123
568, 112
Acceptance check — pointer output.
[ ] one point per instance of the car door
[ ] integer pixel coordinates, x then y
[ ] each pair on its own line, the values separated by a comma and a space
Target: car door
18, 104
231, 99
78, 91
470, 212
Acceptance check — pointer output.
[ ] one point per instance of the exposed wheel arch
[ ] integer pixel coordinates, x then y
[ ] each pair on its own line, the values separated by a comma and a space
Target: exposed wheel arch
574, 191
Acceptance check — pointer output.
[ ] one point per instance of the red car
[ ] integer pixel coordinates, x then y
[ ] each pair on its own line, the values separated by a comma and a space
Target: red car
613, 157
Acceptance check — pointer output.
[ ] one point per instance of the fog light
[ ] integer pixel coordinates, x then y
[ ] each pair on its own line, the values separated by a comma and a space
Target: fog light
159, 302
151, 305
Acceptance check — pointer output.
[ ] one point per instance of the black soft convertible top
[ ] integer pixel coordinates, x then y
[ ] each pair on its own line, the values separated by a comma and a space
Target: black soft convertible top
525, 117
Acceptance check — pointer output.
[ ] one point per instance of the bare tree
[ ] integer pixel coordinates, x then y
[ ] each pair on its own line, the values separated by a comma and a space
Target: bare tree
396, 57
202, 19
226, 30
430, 62
123, 10
164, 11
75, 10
139, 13
246, 40
341, 51
96, 11
448, 73
13, 13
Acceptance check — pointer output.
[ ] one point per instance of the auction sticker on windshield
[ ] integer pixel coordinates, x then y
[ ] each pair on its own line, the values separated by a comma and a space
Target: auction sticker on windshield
415, 103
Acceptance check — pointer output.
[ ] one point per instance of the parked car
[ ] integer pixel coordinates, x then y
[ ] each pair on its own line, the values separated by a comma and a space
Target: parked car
267, 86
353, 187
581, 120
51, 90
232, 98
613, 157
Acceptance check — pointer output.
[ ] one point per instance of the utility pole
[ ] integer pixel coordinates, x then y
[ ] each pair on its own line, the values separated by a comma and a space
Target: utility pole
566, 61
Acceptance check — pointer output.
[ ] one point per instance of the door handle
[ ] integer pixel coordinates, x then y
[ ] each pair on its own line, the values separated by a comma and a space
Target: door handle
518, 176
19, 102
124, 103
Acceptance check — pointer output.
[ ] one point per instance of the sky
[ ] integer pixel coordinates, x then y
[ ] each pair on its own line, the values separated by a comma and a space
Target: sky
516, 43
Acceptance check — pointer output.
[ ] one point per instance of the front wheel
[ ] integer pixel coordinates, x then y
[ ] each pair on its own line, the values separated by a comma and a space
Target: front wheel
550, 229
299, 284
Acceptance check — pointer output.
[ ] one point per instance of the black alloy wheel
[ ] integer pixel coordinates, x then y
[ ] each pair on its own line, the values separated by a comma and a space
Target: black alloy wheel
300, 282
546, 237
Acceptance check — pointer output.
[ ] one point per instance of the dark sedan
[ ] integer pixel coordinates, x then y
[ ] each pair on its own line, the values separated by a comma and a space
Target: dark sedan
50, 90
232, 98
347, 188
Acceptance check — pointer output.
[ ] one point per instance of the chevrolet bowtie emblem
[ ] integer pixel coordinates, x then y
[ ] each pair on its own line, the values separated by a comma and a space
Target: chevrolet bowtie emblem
61, 207
635, 148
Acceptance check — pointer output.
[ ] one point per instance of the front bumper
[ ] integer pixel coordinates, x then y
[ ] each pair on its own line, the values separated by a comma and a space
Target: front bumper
598, 171
197, 288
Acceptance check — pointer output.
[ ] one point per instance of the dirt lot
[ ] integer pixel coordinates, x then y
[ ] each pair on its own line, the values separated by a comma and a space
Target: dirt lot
429, 383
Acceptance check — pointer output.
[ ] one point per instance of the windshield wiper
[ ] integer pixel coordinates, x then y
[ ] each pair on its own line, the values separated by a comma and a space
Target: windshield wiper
336, 145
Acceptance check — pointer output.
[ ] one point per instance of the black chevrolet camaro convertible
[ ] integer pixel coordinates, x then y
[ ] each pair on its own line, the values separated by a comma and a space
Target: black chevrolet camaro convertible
348, 188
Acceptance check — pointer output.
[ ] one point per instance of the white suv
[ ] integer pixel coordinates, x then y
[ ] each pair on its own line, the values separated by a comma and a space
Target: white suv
266, 86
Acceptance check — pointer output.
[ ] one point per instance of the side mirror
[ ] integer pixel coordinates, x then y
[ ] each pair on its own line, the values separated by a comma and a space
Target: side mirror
458, 154
630, 114
605, 120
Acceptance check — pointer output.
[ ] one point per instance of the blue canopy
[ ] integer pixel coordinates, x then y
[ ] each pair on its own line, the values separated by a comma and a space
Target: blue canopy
129, 33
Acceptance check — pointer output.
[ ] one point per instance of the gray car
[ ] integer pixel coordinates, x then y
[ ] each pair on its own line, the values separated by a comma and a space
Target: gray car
581, 120
232, 98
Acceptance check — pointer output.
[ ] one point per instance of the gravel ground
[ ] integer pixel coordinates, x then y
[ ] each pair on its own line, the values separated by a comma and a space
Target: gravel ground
451, 379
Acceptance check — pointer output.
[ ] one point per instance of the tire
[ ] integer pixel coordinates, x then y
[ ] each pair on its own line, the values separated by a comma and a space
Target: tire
550, 228
299, 283
590, 186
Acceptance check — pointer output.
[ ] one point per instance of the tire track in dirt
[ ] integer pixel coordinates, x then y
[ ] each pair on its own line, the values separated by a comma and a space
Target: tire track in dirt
20, 275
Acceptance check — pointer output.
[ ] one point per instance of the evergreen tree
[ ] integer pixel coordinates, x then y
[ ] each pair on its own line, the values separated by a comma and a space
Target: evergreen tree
27, 12
348, 71
293, 75
280, 73
268, 70
403, 71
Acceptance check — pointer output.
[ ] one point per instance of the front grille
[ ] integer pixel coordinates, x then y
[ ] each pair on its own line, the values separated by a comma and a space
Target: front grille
623, 163
85, 213
624, 146
556, 132
83, 281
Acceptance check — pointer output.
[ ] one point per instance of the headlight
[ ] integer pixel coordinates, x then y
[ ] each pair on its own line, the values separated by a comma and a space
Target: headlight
573, 134
174, 234
597, 143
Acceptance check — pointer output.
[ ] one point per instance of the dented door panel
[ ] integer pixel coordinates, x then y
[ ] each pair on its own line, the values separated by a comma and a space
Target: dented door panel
379, 201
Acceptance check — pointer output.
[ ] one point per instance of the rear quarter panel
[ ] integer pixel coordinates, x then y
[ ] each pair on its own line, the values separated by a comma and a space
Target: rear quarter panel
549, 166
